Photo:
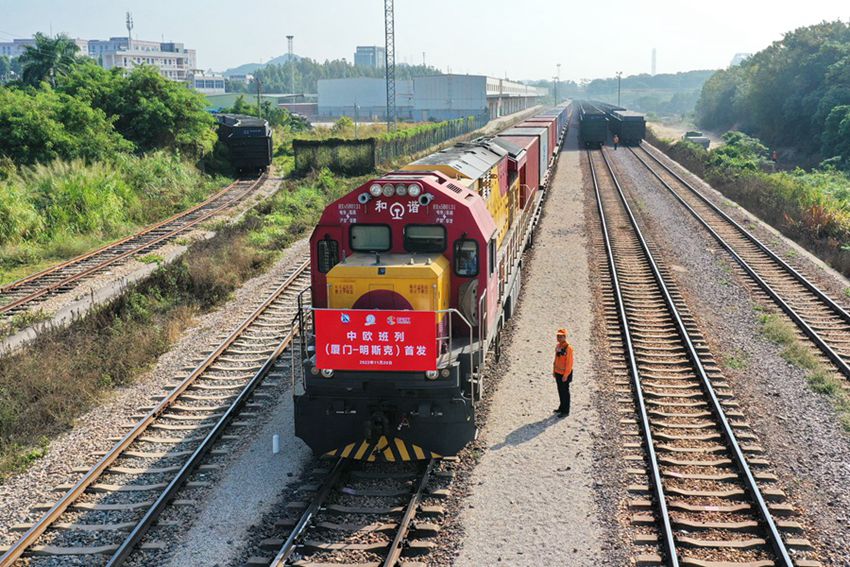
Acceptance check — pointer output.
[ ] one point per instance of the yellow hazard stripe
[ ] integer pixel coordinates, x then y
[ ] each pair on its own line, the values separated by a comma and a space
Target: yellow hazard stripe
362, 450
420, 454
402, 449
347, 450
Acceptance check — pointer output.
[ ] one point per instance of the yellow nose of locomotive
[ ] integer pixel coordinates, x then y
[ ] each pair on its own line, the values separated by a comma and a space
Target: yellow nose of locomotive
390, 281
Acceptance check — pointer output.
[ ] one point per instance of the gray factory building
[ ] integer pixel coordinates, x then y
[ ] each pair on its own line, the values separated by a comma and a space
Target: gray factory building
338, 97
432, 98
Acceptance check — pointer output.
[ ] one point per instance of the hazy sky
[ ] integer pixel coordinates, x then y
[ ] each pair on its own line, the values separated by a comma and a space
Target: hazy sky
522, 39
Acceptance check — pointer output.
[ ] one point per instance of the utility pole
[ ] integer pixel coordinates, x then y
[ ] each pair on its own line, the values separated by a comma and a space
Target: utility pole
259, 108
423, 59
619, 74
557, 80
289, 39
389, 67
129, 31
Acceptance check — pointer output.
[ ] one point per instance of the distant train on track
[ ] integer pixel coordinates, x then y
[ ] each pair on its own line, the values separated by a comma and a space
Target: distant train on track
413, 276
248, 140
598, 119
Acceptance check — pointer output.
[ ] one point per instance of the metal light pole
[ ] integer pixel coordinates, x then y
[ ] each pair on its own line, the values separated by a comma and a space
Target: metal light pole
291, 64
557, 80
619, 74
259, 108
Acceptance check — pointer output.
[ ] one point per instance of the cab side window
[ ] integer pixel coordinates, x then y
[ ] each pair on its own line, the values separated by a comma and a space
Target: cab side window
466, 258
327, 252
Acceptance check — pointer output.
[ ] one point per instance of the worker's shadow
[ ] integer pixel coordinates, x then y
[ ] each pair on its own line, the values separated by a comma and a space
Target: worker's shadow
526, 433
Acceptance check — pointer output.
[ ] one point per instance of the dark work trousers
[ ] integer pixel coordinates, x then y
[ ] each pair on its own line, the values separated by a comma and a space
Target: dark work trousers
564, 392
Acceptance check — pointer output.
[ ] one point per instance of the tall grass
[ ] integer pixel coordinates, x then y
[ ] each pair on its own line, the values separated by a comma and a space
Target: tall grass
55, 210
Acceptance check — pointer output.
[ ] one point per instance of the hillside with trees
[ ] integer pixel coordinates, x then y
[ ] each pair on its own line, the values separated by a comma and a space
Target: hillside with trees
277, 77
793, 95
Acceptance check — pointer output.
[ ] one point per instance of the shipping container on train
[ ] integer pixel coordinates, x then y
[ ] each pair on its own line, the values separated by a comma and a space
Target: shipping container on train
542, 134
413, 277
530, 174
551, 123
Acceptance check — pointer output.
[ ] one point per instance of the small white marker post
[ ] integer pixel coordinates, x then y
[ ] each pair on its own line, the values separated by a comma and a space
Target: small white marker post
275, 444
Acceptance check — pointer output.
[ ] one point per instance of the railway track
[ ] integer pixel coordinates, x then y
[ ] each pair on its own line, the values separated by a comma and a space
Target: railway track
21, 295
362, 513
709, 500
102, 518
818, 316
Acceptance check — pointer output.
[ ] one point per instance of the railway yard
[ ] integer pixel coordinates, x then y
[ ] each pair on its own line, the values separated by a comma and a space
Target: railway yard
696, 437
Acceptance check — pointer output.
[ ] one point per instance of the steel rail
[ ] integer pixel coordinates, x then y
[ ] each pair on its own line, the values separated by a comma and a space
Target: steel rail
99, 266
330, 481
751, 487
798, 320
145, 230
37, 530
655, 469
394, 553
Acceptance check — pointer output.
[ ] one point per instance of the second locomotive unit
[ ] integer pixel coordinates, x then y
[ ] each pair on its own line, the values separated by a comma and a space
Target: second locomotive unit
412, 277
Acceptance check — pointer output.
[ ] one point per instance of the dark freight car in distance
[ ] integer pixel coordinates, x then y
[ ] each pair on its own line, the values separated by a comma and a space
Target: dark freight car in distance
592, 127
629, 125
248, 139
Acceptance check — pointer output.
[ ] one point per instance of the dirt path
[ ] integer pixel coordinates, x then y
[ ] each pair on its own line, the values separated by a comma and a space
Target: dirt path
533, 500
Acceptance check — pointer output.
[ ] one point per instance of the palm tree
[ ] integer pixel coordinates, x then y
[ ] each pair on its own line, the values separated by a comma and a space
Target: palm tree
48, 58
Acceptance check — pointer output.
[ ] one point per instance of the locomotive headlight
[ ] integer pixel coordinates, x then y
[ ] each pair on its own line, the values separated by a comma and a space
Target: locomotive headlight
431, 374
314, 371
414, 190
401, 190
445, 372
375, 190
327, 373
389, 190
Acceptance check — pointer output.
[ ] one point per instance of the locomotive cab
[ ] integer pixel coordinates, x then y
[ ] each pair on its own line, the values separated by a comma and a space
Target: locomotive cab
412, 277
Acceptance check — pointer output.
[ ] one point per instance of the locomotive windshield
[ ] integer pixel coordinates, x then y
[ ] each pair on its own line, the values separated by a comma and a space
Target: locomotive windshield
466, 258
424, 238
370, 237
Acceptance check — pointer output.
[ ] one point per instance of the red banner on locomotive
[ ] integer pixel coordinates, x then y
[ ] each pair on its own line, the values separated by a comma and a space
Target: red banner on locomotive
353, 339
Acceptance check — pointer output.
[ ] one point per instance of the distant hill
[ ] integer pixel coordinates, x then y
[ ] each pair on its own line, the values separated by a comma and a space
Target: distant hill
250, 68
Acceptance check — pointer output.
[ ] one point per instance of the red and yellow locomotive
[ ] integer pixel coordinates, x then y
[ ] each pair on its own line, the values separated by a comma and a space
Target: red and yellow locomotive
413, 276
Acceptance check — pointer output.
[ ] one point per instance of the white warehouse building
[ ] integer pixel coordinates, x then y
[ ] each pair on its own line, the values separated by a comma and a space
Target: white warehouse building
431, 98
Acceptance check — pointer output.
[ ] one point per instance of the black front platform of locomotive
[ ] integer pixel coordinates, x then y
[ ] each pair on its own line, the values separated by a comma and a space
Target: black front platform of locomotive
352, 407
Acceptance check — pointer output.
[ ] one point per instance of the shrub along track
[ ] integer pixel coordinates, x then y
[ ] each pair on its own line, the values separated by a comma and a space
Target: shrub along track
820, 318
103, 517
703, 505
20, 296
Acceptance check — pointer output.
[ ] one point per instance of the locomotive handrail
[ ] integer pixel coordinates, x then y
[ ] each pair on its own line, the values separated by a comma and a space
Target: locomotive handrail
482, 320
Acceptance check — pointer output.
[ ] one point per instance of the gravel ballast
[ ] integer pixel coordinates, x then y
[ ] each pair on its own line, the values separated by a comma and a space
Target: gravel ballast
534, 496
799, 429
78, 447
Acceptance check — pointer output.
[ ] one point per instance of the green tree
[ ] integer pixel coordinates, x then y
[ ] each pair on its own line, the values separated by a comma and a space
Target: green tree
5, 69
43, 125
836, 136
47, 59
276, 116
151, 111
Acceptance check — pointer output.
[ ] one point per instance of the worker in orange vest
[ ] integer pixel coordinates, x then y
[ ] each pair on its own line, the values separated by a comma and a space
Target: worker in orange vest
616, 141
562, 371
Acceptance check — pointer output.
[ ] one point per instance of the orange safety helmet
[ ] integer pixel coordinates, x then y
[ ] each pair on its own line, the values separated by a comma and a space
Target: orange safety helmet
561, 332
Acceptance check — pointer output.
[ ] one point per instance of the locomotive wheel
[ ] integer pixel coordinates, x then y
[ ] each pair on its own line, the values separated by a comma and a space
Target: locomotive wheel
497, 348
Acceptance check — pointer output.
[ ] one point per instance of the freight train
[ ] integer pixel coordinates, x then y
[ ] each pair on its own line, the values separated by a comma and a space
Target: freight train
413, 276
592, 126
597, 119
248, 140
